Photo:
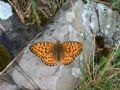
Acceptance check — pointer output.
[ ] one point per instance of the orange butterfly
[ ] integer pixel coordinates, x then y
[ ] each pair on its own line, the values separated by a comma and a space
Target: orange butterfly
51, 53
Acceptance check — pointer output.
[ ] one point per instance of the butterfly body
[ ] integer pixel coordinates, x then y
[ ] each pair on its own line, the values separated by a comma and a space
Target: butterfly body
52, 53
58, 51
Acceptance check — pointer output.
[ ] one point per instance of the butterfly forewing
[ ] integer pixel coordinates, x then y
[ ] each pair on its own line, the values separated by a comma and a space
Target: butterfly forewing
45, 50
70, 50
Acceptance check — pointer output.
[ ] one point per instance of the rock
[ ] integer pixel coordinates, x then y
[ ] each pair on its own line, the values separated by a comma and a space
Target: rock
16, 35
76, 23
109, 22
7, 86
116, 37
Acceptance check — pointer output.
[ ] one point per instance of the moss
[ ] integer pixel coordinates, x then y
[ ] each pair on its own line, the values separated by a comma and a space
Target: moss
5, 57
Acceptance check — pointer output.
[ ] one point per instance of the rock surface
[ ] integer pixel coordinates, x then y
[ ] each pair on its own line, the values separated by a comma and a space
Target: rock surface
16, 35
74, 22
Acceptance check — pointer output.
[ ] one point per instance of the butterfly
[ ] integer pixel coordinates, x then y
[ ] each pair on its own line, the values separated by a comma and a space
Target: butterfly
52, 53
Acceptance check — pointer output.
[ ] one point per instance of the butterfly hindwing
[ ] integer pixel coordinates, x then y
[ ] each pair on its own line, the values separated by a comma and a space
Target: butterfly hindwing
49, 53
70, 50
44, 50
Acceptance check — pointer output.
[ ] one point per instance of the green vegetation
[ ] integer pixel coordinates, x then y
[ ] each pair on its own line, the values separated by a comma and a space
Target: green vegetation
102, 75
5, 57
36, 11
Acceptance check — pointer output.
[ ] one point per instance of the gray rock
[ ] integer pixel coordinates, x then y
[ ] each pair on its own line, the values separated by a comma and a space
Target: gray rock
16, 35
77, 23
7, 86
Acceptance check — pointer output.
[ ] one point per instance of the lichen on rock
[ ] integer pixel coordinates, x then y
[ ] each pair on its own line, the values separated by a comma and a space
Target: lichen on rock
5, 10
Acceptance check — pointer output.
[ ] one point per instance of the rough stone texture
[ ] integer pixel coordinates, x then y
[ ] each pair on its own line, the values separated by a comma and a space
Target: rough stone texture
16, 35
7, 86
78, 22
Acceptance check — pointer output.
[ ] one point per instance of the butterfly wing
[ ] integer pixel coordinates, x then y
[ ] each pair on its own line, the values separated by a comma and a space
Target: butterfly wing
44, 50
70, 50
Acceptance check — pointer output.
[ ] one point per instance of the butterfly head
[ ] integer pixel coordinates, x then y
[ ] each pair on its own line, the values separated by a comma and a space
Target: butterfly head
58, 43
